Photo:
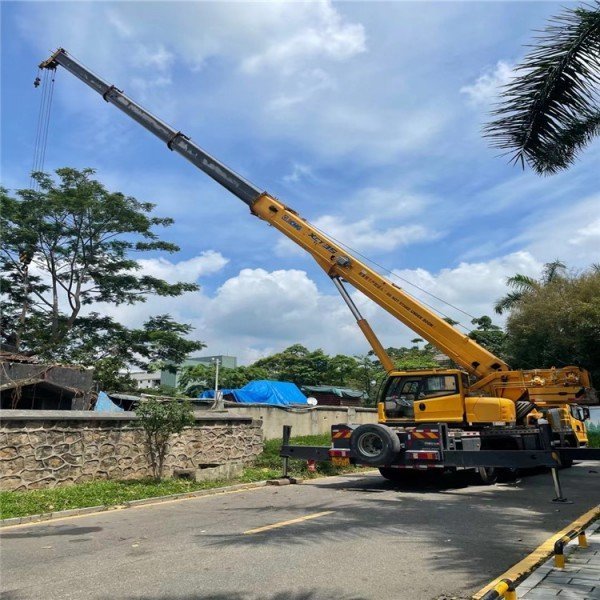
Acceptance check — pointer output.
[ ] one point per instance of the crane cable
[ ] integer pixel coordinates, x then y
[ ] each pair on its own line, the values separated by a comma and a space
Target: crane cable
395, 276
43, 124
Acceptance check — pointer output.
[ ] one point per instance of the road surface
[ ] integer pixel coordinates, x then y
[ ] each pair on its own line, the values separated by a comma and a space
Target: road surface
343, 538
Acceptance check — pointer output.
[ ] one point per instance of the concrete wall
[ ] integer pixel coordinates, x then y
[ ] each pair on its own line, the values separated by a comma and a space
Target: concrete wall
311, 421
40, 449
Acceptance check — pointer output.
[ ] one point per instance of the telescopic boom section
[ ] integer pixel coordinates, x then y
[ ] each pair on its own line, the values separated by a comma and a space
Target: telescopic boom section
175, 140
336, 262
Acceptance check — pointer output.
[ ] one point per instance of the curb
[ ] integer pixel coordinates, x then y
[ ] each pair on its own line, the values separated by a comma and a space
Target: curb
524, 568
540, 573
76, 512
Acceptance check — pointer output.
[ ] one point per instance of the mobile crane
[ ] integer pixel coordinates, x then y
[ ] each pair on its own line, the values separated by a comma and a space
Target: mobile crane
480, 415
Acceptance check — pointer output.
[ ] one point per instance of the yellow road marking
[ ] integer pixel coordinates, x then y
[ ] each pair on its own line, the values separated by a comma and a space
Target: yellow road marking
541, 553
290, 522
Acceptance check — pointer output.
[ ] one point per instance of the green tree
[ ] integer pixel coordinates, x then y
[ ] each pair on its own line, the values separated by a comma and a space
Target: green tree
367, 376
550, 111
160, 420
69, 245
194, 380
488, 335
296, 364
340, 370
523, 285
414, 357
557, 324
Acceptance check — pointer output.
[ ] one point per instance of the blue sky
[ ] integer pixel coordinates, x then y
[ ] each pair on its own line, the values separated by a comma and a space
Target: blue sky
364, 117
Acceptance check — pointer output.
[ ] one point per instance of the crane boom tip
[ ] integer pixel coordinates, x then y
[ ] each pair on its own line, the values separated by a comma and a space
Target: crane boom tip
50, 63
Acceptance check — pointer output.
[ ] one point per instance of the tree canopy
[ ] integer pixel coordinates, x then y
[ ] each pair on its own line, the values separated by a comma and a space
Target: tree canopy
557, 323
70, 245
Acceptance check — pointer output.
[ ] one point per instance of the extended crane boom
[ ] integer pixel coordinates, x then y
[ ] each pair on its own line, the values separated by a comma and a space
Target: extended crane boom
334, 260
427, 418
175, 140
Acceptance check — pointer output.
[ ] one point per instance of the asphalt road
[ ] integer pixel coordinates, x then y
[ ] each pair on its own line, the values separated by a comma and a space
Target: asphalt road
365, 539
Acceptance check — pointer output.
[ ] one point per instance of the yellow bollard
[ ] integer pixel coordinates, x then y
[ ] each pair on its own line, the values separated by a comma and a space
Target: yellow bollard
559, 561
583, 543
511, 594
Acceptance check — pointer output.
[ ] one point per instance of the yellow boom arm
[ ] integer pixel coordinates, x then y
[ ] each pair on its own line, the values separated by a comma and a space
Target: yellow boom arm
336, 262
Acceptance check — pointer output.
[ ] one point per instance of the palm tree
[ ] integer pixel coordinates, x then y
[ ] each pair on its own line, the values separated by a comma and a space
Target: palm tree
551, 110
523, 285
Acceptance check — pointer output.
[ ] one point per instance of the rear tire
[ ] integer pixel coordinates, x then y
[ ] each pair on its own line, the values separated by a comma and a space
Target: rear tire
374, 445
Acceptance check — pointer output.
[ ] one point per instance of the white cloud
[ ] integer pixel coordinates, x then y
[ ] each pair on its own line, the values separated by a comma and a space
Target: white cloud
487, 87
365, 235
301, 69
156, 57
326, 36
471, 286
589, 234
258, 312
382, 220
298, 173
571, 234
190, 270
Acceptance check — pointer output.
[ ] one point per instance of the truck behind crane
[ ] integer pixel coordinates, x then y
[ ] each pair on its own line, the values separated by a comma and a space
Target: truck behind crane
482, 415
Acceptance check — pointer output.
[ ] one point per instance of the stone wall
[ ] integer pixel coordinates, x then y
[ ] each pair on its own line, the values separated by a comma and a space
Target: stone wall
41, 449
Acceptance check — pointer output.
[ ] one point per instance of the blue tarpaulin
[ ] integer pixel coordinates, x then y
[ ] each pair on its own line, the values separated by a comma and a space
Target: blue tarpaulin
105, 404
262, 391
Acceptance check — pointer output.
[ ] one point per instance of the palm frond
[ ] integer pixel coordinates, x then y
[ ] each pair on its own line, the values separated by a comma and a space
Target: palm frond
550, 111
522, 283
508, 302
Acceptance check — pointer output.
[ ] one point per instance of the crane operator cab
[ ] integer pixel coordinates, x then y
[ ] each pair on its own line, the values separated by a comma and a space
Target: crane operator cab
438, 395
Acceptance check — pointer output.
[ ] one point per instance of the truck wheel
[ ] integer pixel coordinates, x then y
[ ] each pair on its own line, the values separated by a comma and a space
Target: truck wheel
374, 445
486, 475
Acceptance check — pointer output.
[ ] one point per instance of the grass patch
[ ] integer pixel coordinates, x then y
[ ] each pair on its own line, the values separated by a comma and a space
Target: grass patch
109, 493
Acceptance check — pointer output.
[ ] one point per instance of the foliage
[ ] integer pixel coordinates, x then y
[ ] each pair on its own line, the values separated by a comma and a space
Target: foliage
304, 367
488, 335
160, 420
593, 436
67, 246
196, 379
550, 111
522, 285
557, 323
298, 365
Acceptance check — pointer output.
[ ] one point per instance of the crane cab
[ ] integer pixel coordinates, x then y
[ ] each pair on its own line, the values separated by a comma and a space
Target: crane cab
438, 395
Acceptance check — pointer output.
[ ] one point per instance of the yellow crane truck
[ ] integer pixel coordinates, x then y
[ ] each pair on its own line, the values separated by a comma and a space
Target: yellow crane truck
482, 415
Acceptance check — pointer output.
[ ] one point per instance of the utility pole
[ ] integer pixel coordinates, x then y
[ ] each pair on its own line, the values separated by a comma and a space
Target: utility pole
218, 404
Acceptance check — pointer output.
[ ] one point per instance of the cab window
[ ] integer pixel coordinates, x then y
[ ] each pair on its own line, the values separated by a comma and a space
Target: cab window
401, 392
